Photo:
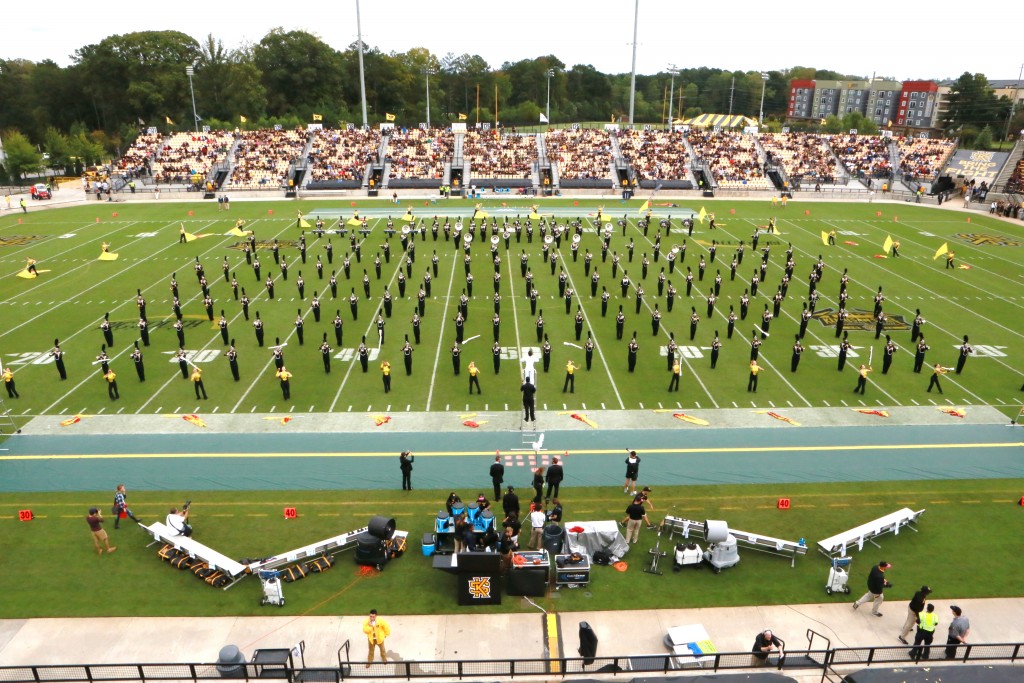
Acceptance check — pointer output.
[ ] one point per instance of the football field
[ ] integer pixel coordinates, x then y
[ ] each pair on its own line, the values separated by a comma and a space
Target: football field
981, 297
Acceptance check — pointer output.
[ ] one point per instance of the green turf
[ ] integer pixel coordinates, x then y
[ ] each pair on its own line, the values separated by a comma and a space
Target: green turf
69, 302
962, 550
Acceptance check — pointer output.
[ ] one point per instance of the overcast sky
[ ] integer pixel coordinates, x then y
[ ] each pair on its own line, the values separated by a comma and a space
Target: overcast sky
904, 41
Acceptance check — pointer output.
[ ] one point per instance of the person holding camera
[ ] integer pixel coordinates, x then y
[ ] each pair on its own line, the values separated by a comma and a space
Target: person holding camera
405, 461
765, 644
178, 521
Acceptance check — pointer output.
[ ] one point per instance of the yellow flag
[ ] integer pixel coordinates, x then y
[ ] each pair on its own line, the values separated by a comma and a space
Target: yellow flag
389, 117
303, 223
168, 120
318, 117
462, 117
242, 119
355, 222
944, 249
887, 245
644, 207
107, 256
702, 215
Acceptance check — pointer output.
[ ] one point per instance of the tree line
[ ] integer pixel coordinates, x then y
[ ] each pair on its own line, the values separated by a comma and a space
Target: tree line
93, 108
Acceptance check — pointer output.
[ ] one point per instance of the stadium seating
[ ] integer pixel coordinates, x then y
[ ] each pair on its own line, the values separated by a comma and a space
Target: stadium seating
923, 158
804, 157
584, 153
139, 153
419, 154
263, 157
655, 154
863, 154
1016, 181
508, 156
732, 158
343, 154
186, 155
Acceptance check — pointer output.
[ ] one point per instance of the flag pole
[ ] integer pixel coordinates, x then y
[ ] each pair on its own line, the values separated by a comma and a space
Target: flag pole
478, 103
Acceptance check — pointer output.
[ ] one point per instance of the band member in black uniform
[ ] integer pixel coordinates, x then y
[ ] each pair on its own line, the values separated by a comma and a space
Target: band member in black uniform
58, 359
329, 249
716, 347
805, 317
275, 250
421, 300
319, 268
301, 285
182, 359
766, 321
755, 346
887, 354
844, 348
689, 282
712, 299
269, 284
140, 369
545, 353
314, 306
639, 298
346, 265
179, 330
456, 360
632, 350
232, 355
208, 305
605, 296
245, 304
108, 331
620, 323
325, 352
143, 326
915, 331
256, 269
922, 348
353, 304
333, 282
496, 326
364, 355
670, 350
694, 319
223, 325
798, 349
965, 350
277, 351
731, 319
104, 359
366, 284
257, 326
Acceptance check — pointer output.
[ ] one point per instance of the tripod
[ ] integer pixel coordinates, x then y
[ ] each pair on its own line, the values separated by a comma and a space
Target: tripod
656, 554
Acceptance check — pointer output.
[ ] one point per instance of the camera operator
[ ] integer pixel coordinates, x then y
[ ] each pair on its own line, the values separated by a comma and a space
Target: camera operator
178, 520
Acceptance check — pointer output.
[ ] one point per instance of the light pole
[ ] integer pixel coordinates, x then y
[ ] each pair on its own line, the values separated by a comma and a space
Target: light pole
632, 75
671, 92
362, 75
764, 83
550, 75
1013, 102
189, 70
427, 71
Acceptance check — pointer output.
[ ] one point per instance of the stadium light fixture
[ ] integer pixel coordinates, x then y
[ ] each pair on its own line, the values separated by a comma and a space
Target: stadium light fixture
550, 74
764, 83
427, 72
673, 71
189, 70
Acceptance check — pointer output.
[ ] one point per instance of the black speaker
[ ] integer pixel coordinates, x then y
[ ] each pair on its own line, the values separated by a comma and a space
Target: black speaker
381, 527
588, 643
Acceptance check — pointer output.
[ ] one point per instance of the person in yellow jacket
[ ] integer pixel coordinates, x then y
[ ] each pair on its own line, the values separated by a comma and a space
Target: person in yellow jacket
570, 377
286, 382
474, 377
385, 372
376, 630
12, 391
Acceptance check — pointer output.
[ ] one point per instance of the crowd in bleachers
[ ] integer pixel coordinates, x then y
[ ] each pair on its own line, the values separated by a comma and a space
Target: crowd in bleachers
923, 158
732, 157
581, 153
805, 157
508, 156
1016, 181
863, 154
417, 153
184, 156
655, 154
135, 161
343, 154
263, 157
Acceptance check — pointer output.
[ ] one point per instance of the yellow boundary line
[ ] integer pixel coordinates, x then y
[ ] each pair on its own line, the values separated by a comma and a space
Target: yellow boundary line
461, 454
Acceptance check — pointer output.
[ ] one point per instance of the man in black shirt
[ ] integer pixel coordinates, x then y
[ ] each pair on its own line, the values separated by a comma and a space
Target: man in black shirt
554, 478
877, 583
766, 643
635, 513
497, 476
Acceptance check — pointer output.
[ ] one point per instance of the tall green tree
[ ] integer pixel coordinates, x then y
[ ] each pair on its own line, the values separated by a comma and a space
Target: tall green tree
22, 156
299, 71
973, 103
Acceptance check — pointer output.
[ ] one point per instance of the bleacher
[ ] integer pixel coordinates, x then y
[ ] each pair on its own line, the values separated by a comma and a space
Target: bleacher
341, 156
866, 155
732, 158
1016, 182
139, 153
419, 154
507, 156
923, 158
263, 157
184, 156
583, 156
655, 154
804, 157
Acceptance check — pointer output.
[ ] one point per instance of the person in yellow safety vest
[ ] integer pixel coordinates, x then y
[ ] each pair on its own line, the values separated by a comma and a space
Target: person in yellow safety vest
376, 630
474, 380
752, 382
385, 371
677, 372
927, 622
8, 376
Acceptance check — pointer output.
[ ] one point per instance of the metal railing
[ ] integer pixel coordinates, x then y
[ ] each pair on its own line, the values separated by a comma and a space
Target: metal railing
825, 660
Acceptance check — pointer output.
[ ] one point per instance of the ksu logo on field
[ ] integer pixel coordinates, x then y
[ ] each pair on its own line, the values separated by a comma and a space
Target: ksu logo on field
859, 319
983, 240
267, 245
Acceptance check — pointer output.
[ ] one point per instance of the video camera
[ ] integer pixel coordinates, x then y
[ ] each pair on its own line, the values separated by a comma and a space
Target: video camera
186, 506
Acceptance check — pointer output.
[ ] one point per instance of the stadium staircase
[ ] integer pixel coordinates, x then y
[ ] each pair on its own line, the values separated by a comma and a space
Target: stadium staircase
542, 169
1003, 178
622, 174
